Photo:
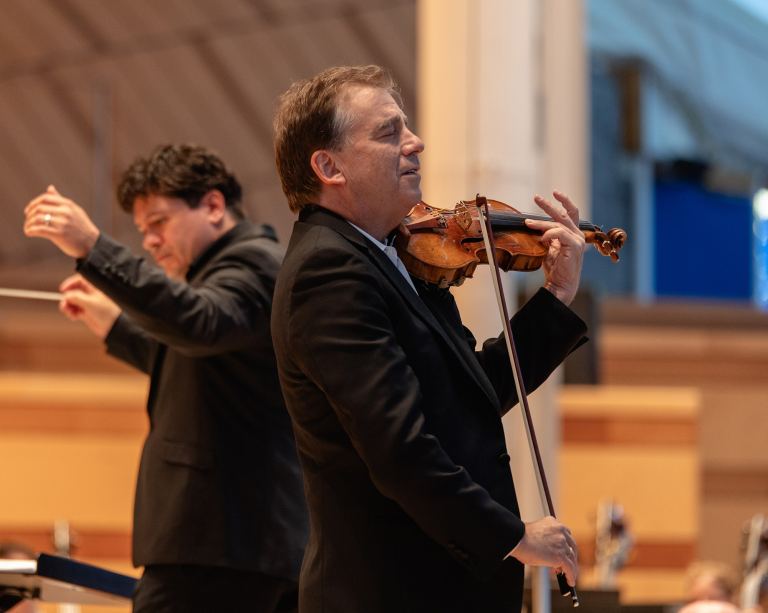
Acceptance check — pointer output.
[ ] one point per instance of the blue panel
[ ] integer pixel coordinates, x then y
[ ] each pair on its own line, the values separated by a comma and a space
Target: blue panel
703, 242
761, 262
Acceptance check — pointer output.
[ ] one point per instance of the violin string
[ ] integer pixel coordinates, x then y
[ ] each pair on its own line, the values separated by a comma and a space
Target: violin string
514, 220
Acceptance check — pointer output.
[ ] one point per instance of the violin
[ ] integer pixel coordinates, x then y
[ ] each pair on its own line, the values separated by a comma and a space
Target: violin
613, 543
443, 246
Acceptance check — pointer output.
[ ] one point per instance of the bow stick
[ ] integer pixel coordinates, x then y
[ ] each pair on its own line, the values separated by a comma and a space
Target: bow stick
517, 376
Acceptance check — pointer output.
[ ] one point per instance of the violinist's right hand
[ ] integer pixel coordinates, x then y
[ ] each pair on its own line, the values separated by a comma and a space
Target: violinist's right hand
547, 542
83, 302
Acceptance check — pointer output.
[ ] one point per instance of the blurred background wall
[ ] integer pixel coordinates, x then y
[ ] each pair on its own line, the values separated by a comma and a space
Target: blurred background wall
88, 85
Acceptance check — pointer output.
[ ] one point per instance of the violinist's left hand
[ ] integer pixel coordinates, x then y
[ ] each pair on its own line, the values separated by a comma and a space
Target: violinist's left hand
562, 265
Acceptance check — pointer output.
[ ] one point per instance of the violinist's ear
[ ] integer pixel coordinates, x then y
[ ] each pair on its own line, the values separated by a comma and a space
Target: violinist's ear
324, 164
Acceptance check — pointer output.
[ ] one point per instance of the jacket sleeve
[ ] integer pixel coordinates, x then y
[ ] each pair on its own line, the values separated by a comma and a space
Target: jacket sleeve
340, 334
545, 331
226, 311
129, 343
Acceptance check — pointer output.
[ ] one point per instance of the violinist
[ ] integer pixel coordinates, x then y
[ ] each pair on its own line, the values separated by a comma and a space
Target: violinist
396, 411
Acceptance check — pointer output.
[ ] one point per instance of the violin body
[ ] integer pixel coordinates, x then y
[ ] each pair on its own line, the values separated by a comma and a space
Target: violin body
443, 246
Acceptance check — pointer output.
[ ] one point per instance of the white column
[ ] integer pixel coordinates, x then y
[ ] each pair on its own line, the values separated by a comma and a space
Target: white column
503, 111
475, 108
564, 111
565, 100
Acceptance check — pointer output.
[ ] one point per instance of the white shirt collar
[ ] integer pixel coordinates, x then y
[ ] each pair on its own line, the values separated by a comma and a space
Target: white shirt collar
391, 253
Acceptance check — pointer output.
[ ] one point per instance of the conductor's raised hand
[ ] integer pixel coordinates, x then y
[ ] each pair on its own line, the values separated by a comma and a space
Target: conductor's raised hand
83, 302
547, 542
62, 221
566, 244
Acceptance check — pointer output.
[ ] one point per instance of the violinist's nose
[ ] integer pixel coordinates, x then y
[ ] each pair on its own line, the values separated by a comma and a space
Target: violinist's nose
411, 143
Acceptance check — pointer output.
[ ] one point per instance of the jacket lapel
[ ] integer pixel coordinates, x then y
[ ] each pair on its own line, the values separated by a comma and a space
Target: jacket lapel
451, 339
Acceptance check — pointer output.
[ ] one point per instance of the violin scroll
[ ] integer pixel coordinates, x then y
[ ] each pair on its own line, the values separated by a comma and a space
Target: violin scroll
607, 243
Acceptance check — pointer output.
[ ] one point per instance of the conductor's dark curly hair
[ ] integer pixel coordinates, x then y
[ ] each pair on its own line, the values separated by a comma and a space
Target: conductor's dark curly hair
187, 172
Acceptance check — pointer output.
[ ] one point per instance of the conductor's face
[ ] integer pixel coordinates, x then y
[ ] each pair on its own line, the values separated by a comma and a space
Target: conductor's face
173, 233
379, 156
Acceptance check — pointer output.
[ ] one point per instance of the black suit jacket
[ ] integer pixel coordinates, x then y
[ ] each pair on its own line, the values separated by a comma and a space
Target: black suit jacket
398, 426
219, 482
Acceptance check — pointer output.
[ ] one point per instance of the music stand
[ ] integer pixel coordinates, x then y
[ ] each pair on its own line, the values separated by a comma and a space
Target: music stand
55, 579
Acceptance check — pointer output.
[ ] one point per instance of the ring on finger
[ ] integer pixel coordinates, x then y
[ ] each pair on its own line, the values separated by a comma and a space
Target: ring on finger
47, 219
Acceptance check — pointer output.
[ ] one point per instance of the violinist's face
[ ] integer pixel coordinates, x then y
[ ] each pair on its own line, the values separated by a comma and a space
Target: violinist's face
379, 158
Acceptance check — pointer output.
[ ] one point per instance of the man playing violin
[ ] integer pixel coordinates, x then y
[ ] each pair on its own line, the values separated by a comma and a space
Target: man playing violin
397, 415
